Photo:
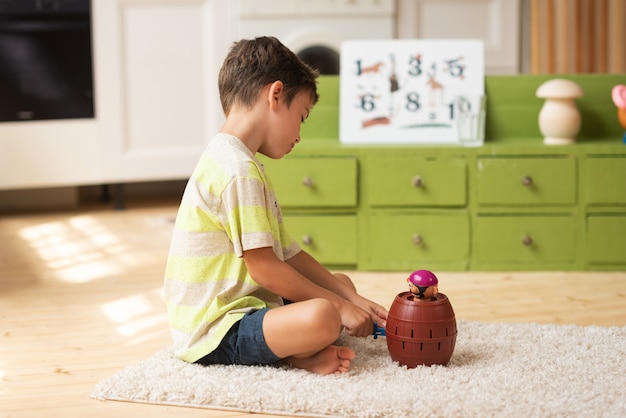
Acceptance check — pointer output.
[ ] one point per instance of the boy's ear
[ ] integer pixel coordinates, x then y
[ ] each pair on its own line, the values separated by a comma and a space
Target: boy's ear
275, 91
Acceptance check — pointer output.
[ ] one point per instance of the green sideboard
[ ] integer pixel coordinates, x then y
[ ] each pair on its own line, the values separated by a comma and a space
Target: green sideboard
512, 204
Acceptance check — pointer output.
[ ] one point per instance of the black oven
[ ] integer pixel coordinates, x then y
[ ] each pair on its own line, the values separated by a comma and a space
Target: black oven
45, 60
321, 57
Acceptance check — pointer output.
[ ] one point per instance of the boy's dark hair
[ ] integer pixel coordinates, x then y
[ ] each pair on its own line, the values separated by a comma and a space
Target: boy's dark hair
252, 64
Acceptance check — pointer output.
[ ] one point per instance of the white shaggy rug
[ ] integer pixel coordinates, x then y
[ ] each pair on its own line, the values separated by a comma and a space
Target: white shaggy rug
497, 370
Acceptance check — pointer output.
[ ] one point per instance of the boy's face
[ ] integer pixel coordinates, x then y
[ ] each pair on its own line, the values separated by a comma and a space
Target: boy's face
285, 125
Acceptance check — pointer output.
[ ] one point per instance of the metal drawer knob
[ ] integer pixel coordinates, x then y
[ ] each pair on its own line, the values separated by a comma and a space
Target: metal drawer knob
527, 181
527, 240
307, 240
307, 181
417, 239
417, 181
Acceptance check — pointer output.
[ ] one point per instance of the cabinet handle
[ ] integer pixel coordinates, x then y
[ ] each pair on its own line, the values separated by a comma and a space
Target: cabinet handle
417, 239
307, 240
527, 240
527, 181
417, 181
307, 181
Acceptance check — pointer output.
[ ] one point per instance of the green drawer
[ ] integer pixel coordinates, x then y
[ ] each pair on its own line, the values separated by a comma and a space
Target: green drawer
606, 180
405, 181
526, 181
512, 239
331, 239
405, 241
314, 182
606, 239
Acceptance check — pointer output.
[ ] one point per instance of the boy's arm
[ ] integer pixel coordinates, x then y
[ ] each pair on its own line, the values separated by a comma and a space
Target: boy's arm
282, 279
310, 268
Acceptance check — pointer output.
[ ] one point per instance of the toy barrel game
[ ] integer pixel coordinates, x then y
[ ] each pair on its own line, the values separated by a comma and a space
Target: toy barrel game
421, 326
421, 332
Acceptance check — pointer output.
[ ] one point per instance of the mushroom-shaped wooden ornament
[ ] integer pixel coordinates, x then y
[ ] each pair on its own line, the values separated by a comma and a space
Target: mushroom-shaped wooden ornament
559, 118
618, 94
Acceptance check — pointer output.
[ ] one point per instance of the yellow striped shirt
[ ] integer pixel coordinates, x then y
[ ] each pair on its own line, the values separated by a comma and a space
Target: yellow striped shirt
229, 206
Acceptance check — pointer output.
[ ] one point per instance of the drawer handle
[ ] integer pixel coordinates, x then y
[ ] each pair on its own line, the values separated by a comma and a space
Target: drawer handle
307, 240
417, 181
308, 182
527, 181
417, 240
527, 240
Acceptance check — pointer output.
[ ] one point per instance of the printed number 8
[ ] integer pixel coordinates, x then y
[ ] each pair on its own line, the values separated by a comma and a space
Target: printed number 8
413, 102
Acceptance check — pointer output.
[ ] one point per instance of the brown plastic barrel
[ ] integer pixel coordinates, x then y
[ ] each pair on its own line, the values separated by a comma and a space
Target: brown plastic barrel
421, 332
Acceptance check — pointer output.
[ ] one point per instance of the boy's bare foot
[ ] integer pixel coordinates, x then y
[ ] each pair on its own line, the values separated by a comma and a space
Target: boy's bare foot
331, 360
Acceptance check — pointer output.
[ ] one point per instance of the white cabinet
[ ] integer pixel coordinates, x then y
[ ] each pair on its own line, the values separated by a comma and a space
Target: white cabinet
156, 66
48, 153
495, 22
156, 100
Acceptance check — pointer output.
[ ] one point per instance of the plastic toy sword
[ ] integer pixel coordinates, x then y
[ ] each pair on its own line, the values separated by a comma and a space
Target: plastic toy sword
379, 331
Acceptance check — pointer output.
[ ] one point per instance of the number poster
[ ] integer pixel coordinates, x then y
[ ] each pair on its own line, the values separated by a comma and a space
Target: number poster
408, 91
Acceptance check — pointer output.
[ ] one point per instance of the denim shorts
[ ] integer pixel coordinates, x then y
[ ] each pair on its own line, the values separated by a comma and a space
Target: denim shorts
244, 343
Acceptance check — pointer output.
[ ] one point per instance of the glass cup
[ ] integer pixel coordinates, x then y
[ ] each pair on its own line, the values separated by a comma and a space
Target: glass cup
470, 121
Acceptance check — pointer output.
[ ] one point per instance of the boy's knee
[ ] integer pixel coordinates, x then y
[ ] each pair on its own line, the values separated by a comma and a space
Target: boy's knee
324, 316
343, 278
325, 310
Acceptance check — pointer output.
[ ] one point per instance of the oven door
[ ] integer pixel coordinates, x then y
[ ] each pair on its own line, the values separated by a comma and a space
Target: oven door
45, 62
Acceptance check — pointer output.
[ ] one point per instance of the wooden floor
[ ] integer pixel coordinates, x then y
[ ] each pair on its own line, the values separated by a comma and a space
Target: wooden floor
80, 298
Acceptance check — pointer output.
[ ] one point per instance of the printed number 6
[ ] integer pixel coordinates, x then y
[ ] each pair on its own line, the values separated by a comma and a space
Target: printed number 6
367, 102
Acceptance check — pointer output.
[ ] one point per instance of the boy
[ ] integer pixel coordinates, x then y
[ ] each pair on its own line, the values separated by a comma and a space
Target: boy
232, 265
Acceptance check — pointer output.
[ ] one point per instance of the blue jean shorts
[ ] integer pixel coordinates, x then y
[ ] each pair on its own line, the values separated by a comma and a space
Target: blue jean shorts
244, 344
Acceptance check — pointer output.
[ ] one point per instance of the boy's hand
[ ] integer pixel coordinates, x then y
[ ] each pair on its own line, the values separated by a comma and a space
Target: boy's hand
377, 312
359, 317
357, 322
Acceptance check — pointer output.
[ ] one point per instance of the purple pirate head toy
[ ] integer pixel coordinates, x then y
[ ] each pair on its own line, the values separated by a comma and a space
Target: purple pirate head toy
423, 284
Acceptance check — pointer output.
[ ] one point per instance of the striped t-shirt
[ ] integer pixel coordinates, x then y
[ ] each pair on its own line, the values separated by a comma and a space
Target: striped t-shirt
228, 207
